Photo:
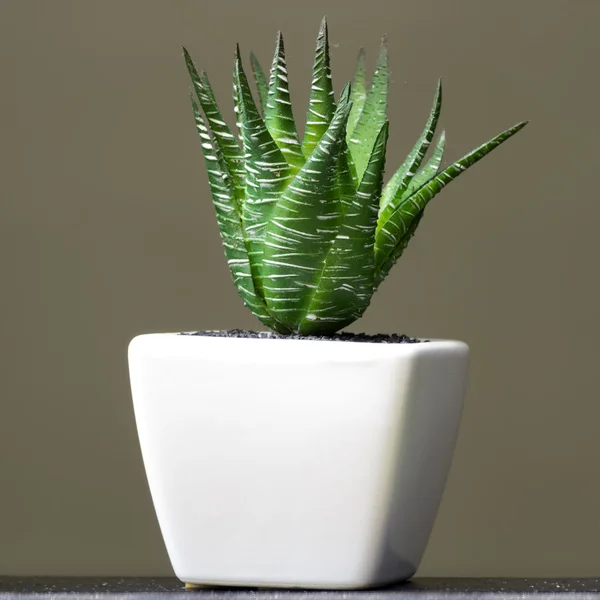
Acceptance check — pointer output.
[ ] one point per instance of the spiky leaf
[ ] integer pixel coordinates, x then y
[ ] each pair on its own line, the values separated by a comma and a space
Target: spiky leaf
430, 170
398, 184
222, 134
359, 93
345, 95
279, 116
391, 231
229, 221
301, 228
321, 107
237, 109
261, 82
382, 272
345, 286
267, 172
307, 238
346, 156
373, 114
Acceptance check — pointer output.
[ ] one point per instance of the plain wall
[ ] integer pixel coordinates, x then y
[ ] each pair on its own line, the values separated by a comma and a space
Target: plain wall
107, 231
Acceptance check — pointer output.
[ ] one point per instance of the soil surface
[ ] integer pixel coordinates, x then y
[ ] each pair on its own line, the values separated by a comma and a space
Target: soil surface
379, 338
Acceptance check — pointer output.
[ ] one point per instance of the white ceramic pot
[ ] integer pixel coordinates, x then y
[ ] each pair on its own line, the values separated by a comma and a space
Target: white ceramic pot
296, 463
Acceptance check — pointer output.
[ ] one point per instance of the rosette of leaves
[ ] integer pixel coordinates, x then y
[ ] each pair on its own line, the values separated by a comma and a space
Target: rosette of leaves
308, 226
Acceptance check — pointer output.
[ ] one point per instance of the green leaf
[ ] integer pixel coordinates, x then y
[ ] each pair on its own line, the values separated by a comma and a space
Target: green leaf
261, 82
228, 219
321, 107
237, 109
267, 172
430, 170
383, 271
220, 130
398, 184
373, 114
279, 117
391, 231
346, 97
359, 93
301, 228
345, 286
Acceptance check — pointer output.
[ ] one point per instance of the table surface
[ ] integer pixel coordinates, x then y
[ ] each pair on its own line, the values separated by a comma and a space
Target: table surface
56, 588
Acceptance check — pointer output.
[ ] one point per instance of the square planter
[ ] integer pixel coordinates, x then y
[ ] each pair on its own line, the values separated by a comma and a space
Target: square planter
296, 463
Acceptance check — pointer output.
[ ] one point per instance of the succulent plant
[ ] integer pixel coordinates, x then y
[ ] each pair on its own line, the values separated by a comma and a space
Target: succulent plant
308, 227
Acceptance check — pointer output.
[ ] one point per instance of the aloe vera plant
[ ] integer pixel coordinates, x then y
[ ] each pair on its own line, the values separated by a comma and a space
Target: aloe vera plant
309, 228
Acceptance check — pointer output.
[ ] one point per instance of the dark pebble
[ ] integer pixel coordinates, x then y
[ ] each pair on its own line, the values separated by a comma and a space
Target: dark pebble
379, 338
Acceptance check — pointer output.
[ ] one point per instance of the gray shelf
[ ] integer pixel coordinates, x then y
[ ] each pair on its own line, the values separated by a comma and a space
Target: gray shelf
111, 588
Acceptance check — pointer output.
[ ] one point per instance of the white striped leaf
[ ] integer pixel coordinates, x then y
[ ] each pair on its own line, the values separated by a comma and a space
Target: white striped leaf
359, 93
267, 172
300, 224
301, 228
229, 221
346, 96
322, 103
261, 82
426, 174
430, 170
279, 117
237, 111
398, 184
373, 114
345, 287
391, 232
382, 272
222, 134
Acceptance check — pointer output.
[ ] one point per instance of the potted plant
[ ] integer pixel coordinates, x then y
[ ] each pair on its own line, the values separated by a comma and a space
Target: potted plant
303, 457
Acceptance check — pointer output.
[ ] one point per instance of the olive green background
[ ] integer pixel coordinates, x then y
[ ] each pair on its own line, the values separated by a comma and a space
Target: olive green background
107, 231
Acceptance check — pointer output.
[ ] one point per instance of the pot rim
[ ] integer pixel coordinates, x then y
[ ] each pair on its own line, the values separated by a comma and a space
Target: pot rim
191, 334
315, 349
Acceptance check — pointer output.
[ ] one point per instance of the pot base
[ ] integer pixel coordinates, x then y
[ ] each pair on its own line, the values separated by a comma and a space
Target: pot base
296, 586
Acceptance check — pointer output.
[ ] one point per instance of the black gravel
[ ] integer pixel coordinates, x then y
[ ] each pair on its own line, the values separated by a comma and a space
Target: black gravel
379, 338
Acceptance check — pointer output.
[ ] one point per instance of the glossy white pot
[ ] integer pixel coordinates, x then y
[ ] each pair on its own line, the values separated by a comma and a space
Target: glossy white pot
296, 463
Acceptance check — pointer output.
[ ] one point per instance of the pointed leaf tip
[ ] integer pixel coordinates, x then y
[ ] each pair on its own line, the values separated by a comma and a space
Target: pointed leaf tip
346, 93
279, 45
278, 113
261, 82
224, 138
323, 30
358, 92
366, 124
322, 104
400, 181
